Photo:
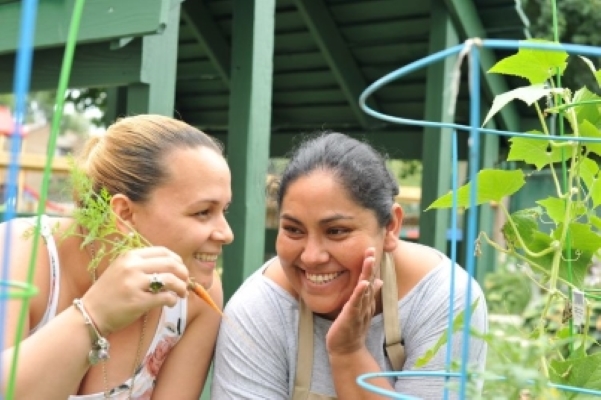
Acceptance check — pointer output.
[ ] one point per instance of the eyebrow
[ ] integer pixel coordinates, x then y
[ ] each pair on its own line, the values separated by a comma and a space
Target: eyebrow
325, 221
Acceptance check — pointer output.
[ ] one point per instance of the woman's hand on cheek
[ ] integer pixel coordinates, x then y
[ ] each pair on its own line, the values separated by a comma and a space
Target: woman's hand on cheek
347, 333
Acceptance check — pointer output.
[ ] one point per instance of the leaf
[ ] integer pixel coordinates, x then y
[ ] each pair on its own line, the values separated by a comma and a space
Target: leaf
491, 185
528, 94
556, 208
579, 264
587, 112
580, 237
535, 65
526, 224
587, 129
589, 173
537, 152
582, 372
457, 326
595, 221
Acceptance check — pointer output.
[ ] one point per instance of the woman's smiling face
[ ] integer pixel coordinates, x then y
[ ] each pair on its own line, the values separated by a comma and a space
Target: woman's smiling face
322, 238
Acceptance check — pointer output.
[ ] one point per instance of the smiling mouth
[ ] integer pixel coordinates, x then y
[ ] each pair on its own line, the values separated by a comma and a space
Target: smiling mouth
205, 257
321, 279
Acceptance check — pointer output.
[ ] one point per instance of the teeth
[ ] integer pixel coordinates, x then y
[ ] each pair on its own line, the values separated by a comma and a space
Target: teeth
322, 278
205, 257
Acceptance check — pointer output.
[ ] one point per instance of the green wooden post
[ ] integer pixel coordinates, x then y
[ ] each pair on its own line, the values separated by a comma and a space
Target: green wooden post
436, 149
489, 154
248, 136
155, 92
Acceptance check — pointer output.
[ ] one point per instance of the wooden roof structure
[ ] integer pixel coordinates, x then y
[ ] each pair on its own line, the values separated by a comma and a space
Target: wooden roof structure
259, 73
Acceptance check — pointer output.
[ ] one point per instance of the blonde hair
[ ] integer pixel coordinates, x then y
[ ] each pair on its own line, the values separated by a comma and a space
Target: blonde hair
129, 157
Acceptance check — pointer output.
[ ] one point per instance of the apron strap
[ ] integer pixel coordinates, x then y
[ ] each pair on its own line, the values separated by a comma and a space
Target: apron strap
392, 326
304, 357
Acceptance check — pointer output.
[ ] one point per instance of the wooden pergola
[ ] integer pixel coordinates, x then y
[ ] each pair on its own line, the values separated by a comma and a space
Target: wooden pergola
258, 74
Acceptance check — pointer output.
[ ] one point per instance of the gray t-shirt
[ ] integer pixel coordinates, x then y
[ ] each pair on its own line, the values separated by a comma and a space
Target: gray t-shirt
257, 344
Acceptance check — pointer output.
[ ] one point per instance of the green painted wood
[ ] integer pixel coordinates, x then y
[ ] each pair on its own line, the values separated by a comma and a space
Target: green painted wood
198, 18
436, 150
154, 93
339, 58
468, 23
101, 20
489, 158
248, 137
94, 65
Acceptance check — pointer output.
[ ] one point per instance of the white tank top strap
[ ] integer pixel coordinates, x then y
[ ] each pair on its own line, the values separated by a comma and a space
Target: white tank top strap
46, 232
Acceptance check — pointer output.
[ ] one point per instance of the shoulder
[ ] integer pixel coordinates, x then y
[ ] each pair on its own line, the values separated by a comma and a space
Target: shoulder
260, 298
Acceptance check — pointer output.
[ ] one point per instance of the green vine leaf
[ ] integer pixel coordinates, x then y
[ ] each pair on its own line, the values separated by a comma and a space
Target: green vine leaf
556, 208
537, 152
587, 129
492, 185
528, 94
595, 221
589, 173
580, 372
526, 224
588, 112
579, 263
535, 65
580, 239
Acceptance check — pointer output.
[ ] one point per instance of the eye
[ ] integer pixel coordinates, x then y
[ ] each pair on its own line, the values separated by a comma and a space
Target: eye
337, 231
291, 230
203, 213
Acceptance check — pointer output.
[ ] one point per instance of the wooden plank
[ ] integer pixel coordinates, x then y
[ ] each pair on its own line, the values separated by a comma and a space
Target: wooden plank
94, 65
249, 127
436, 142
339, 58
467, 22
101, 20
207, 33
35, 162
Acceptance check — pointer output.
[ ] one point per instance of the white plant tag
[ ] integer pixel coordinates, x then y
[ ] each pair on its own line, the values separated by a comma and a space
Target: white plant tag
578, 307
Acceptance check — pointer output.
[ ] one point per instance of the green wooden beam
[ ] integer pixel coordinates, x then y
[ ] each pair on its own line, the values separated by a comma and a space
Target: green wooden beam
154, 92
337, 55
436, 147
101, 20
401, 145
94, 65
198, 18
489, 158
248, 136
468, 23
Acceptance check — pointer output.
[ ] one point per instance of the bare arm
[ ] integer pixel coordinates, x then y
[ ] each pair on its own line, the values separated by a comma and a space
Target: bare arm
185, 371
34, 379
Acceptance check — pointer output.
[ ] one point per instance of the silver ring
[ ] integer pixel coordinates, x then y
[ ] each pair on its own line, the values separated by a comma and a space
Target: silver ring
156, 284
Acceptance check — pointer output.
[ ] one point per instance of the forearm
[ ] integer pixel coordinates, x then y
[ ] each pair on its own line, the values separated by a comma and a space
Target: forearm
52, 362
345, 370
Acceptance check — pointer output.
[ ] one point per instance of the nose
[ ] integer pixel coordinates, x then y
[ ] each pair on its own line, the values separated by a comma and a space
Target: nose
314, 252
223, 232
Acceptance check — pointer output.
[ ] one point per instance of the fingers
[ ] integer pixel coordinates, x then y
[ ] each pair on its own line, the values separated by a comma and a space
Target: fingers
164, 282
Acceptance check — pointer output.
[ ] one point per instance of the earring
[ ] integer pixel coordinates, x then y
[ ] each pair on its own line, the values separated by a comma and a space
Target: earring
130, 234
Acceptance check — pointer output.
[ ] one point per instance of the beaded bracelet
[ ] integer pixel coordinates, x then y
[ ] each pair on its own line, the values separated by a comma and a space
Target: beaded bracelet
100, 345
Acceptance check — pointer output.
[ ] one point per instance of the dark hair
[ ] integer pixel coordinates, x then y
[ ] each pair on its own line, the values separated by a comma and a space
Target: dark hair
359, 168
129, 157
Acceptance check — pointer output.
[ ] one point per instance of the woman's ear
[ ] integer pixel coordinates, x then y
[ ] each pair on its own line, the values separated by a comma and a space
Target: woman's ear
123, 208
393, 228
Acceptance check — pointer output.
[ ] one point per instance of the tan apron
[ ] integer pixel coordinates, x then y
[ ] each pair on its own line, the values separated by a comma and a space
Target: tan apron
392, 333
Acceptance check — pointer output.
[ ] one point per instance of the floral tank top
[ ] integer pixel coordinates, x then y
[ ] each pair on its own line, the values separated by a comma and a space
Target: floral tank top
170, 328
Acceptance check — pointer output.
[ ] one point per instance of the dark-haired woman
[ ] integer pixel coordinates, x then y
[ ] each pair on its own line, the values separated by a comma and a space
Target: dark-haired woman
344, 296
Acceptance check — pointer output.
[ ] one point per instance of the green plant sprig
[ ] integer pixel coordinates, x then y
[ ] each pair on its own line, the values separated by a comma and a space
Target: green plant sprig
96, 222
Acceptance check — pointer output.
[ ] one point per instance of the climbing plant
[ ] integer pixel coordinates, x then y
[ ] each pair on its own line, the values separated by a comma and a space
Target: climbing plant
559, 237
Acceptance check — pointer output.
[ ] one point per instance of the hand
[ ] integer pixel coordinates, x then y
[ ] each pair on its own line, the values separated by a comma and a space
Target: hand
121, 294
347, 333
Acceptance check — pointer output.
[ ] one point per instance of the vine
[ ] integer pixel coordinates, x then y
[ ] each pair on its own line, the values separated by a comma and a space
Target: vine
560, 258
